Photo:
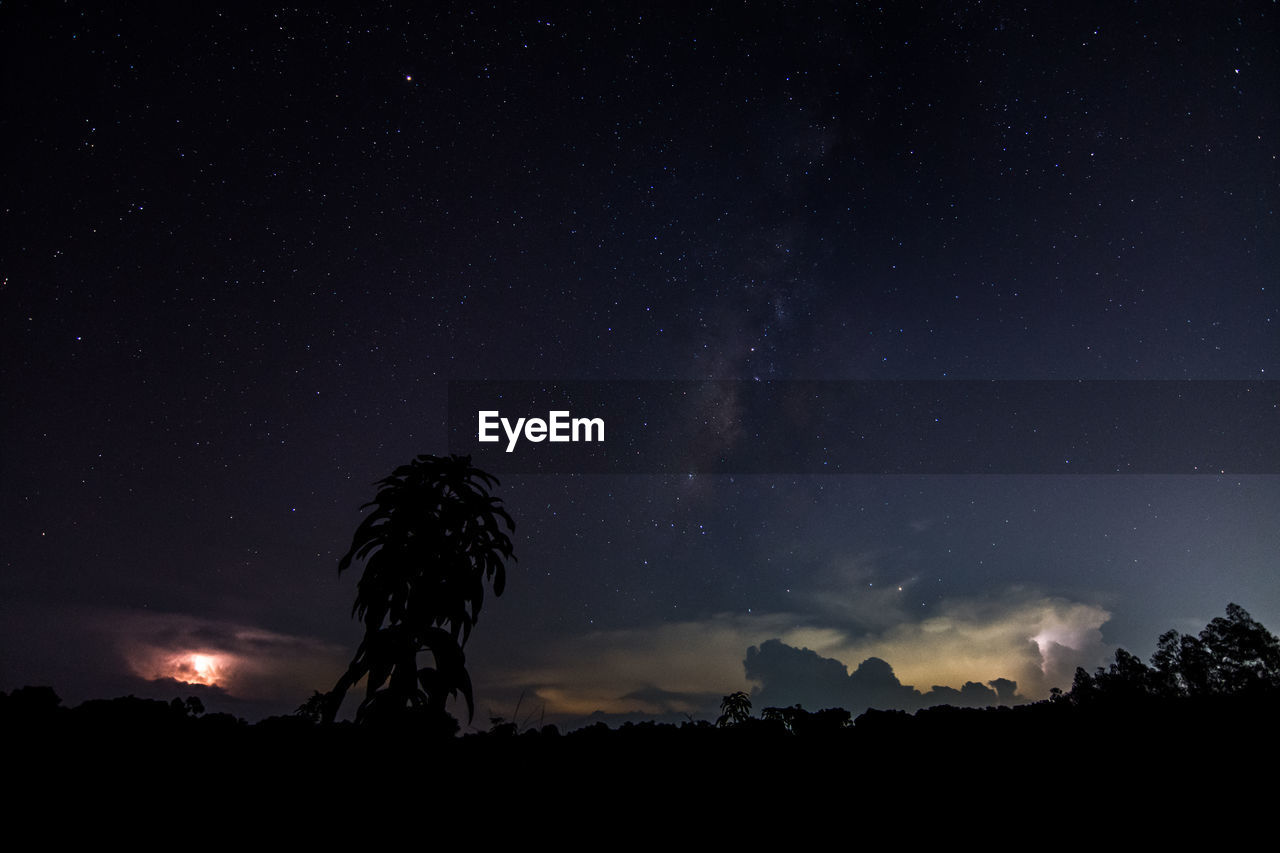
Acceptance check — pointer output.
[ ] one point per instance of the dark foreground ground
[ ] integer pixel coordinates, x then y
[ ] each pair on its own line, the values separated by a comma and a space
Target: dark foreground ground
1052, 770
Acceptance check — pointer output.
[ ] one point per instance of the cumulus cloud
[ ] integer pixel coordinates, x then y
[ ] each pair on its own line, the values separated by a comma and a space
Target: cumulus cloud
988, 647
1035, 640
1000, 649
790, 676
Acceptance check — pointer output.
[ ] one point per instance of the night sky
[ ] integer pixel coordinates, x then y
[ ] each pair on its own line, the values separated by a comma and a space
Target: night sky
243, 250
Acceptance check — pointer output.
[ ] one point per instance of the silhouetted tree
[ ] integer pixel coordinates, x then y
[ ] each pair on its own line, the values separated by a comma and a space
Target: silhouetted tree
1127, 679
824, 723
1182, 665
797, 721
786, 716
313, 709
1245, 656
433, 539
734, 709
28, 704
502, 728
1233, 654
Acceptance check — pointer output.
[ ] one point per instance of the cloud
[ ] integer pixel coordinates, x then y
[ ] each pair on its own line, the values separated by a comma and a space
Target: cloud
858, 594
242, 661
981, 651
789, 676
1035, 640
1012, 644
88, 652
1018, 633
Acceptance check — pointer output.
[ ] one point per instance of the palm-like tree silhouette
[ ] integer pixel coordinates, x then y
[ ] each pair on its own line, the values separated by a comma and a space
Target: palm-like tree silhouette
428, 547
734, 709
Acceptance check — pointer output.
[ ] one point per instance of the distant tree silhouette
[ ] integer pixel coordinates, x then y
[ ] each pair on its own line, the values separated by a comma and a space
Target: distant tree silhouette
797, 721
502, 727
433, 539
1182, 665
823, 723
1234, 655
313, 709
28, 704
734, 709
786, 716
1127, 679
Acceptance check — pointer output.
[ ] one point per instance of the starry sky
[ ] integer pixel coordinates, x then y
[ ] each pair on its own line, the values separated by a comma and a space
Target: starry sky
245, 248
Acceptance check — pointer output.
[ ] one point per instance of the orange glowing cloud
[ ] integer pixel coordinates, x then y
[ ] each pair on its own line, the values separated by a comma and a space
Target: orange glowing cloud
200, 668
245, 661
196, 666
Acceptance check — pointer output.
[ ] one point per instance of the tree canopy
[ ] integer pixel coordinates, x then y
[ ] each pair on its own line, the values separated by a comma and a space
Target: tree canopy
1234, 655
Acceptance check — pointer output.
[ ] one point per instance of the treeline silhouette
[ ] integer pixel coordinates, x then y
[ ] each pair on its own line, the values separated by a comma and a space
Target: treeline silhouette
1233, 663
1136, 727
